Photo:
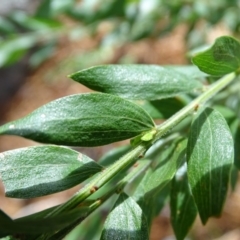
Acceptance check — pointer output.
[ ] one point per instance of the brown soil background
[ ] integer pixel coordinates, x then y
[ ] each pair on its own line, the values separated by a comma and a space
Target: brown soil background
49, 82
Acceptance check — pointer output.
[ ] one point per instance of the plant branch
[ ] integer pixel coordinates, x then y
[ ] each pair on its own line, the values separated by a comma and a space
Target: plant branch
123, 163
130, 158
163, 128
136, 171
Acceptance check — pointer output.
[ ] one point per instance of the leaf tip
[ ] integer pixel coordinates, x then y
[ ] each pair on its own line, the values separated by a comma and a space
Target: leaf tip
70, 75
204, 219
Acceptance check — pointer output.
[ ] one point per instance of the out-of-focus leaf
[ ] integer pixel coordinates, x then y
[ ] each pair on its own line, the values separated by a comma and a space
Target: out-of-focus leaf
89, 229
92, 226
51, 8
91, 119
39, 215
38, 171
222, 58
125, 221
154, 186
44, 9
231, 18
13, 49
42, 54
33, 23
235, 130
163, 108
226, 112
58, 7
189, 70
6, 221
6, 26
183, 209
210, 156
9, 238
92, 11
113, 155
142, 28
152, 205
169, 161
234, 177
233, 102
41, 225
147, 82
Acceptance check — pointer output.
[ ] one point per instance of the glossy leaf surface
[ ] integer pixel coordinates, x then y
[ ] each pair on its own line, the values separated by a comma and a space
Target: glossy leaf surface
222, 58
148, 82
183, 209
125, 221
210, 155
91, 119
38, 171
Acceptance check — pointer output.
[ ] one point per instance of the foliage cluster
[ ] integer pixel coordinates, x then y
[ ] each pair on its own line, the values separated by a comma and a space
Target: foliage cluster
187, 160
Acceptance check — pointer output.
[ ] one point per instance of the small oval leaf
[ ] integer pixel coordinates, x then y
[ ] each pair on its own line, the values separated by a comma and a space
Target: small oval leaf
91, 119
125, 221
148, 82
210, 154
38, 171
222, 58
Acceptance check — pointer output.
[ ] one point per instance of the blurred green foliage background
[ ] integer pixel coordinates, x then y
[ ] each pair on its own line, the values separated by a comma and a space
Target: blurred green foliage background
123, 21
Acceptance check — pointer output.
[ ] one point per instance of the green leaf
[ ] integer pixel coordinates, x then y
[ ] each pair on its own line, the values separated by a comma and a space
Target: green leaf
38, 171
226, 112
162, 108
90, 228
125, 221
183, 209
35, 226
6, 26
210, 155
148, 82
6, 222
235, 129
222, 58
152, 205
234, 177
32, 23
170, 159
91, 119
189, 70
48, 9
153, 189
94, 11
41, 214
113, 155
44, 10
14, 48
